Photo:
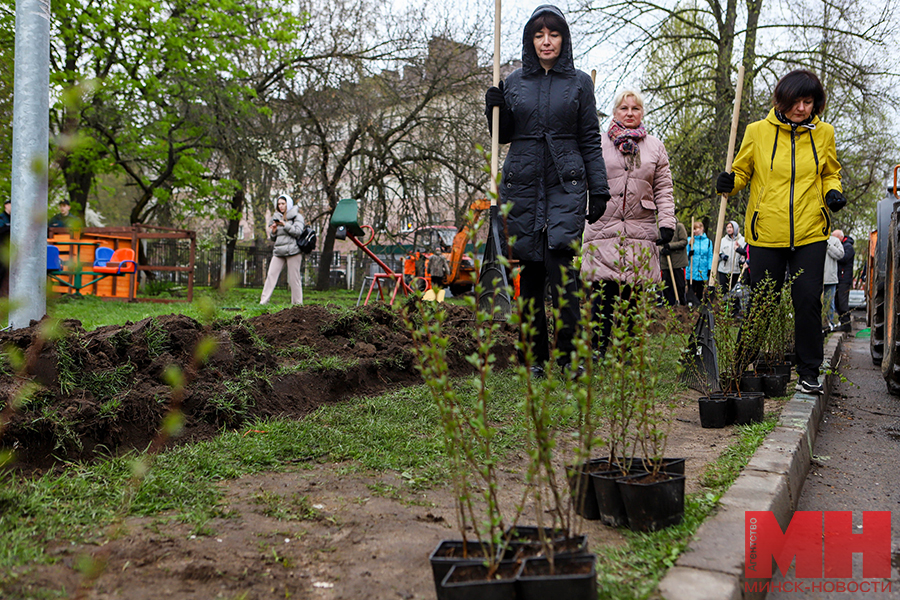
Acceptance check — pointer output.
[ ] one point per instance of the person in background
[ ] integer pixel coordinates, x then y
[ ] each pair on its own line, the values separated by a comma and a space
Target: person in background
554, 174
700, 249
640, 215
5, 230
63, 218
845, 280
286, 226
675, 251
789, 160
833, 253
730, 251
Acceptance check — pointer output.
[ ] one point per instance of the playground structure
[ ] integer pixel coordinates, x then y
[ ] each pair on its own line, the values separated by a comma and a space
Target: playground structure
103, 261
882, 288
345, 221
437, 259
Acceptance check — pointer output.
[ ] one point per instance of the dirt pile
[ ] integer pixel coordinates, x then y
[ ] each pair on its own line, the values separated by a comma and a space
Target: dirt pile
85, 394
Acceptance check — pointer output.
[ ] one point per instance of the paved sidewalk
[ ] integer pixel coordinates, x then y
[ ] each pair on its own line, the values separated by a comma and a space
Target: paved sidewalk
712, 567
854, 469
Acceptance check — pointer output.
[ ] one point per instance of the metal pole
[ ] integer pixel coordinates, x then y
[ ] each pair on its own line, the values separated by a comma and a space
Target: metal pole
30, 151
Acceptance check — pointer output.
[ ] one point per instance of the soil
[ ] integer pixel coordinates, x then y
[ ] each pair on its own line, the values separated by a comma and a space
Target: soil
354, 543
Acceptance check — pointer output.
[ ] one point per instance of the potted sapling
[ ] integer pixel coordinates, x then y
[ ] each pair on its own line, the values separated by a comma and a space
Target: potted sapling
654, 498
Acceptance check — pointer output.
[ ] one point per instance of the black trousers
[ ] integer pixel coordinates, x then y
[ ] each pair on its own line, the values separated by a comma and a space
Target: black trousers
728, 280
806, 296
842, 301
533, 285
603, 308
699, 288
668, 291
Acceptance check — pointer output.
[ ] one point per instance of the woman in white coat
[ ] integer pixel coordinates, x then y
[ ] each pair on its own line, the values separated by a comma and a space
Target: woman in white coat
730, 251
286, 226
834, 252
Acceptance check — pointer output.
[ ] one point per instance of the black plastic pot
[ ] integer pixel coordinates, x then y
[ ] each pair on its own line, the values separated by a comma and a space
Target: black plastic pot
775, 386
713, 412
790, 358
449, 553
609, 500
530, 533
652, 505
561, 546
748, 408
571, 577
669, 465
751, 383
471, 582
581, 490
782, 369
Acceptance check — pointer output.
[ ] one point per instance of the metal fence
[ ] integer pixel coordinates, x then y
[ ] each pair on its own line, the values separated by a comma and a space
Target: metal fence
348, 270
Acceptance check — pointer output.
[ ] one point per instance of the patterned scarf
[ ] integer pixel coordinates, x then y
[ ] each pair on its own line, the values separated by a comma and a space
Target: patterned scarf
626, 140
807, 123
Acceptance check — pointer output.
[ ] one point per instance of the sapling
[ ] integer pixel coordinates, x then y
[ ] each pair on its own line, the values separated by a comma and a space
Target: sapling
726, 335
618, 400
651, 422
467, 434
543, 434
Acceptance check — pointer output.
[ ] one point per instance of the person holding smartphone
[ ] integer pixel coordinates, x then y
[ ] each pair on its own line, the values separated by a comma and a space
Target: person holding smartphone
286, 226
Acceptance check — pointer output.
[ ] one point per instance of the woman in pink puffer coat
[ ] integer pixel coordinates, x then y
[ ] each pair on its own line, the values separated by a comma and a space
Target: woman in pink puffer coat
640, 213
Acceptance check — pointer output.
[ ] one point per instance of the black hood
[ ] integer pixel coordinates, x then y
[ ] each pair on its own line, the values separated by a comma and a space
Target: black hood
530, 61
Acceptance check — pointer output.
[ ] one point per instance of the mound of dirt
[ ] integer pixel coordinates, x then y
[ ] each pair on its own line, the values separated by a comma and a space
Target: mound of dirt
86, 394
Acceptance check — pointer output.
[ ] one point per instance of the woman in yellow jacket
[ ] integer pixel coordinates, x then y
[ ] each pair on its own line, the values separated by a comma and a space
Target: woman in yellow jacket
790, 162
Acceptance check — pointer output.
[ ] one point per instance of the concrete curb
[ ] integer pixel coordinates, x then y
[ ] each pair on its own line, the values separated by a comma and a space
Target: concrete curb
712, 566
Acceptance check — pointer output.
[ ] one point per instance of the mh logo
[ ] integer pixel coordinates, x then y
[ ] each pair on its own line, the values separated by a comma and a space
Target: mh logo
823, 543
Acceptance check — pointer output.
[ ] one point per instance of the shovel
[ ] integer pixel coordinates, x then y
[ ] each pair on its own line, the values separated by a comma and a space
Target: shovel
494, 296
729, 159
702, 364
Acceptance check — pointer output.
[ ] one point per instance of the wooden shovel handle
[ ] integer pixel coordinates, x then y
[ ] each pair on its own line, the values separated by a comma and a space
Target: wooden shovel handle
729, 160
495, 115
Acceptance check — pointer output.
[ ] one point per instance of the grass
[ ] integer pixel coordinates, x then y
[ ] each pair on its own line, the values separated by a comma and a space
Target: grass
398, 431
208, 304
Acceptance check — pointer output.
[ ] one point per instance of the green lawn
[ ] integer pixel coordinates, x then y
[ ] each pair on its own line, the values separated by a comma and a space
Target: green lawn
208, 304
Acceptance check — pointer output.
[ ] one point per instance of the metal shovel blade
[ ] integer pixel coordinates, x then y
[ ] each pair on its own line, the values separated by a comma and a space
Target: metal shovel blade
494, 296
701, 364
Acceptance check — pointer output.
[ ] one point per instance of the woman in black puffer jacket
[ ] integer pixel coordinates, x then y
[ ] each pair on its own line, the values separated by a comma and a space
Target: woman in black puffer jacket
553, 171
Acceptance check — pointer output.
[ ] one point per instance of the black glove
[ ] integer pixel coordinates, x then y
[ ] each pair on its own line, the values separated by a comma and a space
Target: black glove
725, 183
691, 251
665, 235
835, 200
494, 97
665, 250
596, 207
723, 258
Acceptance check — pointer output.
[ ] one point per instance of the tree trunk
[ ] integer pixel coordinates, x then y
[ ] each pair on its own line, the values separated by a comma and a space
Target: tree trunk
754, 8
323, 280
237, 207
724, 86
79, 179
